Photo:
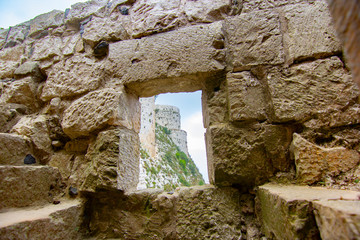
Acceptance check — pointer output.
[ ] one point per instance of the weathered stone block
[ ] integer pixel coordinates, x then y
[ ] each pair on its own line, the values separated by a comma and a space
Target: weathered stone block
202, 11
254, 5
310, 31
286, 211
23, 186
246, 155
182, 59
100, 108
246, 97
7, 69
80, 11
70, 44
71, 77
17, 35
253, 39
338, 219
47, 48
29, 69
44, 21
313, 162
13, 149
12, 54
114, 158
309, 88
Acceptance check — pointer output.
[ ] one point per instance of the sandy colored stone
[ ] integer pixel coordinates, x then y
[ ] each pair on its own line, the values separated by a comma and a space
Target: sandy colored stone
23, 186
82, 10
17, 34
62, 161
47, 48
44, 21
286, 211
313, 162
23, 91
246, 155
207, 212
114, 161
338, 219
182, 59
7, 69
253, 39
100, 108
13, 149
309, 88
152, 16
29, 69
310, 31
113, 28
246, 97
35, 128
12, 54
62, 221
70, 43
71, 77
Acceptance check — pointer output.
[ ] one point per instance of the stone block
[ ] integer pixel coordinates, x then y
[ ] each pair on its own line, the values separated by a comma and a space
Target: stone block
286, 211
246, 155
13, 54
70, 44
338, 219
29, 69
310, 31
13, 149
114, 161
44, 21
154, 16
82, 10
62, 221
23, 186
7, 69
309, 88
182, 59
17, 35
100, 108
246, 96
71, 77
10, 114
313, 162
46, 48
253, 39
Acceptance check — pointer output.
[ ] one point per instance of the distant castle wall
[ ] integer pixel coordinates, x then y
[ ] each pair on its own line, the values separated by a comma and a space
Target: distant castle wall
168, 116
147, 130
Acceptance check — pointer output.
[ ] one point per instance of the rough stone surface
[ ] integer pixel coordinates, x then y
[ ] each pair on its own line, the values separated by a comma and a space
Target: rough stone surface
10, 114
7, 69
338, 219
12, 54
17, 35
47, 48
13, 149
310, 31
71, 44
36, 128
179, 57
82, 10
23, 186
206, 11
29, 69
62, 221
309, 88
246, 97
253, 39
75, 76
246, 155
254, 5
44, 21
287, 213
114, 161
100, 108
313, 162
62, 161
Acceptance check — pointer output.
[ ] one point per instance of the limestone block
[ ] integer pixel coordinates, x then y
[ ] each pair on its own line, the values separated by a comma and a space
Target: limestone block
3, 34
214, 101
80, 11
29, 69
207, 212
61, 221
36, 128
310, 31
100, 108
113, 28
78, 170
44, 21
23, 186
17, 34
46, 48
71, 77
313, 162
206, 11
246, 155
7, 69
10, 114
23, 91
246, 97
286, 211
182, 59
12, 54
253, 39
62, 161
309, 88
13, 149
114, 158
70, 43
254, 5
152, 16
338, 219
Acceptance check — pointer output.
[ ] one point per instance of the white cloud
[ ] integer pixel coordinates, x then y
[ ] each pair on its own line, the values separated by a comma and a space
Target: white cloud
193, 125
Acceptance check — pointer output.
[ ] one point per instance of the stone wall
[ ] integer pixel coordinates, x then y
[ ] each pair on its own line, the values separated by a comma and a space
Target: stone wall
278, 97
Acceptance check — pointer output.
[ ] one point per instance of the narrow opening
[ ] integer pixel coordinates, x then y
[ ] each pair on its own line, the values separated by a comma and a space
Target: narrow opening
172, 141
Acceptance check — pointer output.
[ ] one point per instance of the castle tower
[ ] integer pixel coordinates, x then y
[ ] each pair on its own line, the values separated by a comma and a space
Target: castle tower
147, 131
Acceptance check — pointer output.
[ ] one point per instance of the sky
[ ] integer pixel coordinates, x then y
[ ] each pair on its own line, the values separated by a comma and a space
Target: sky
13, 12
192, 122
